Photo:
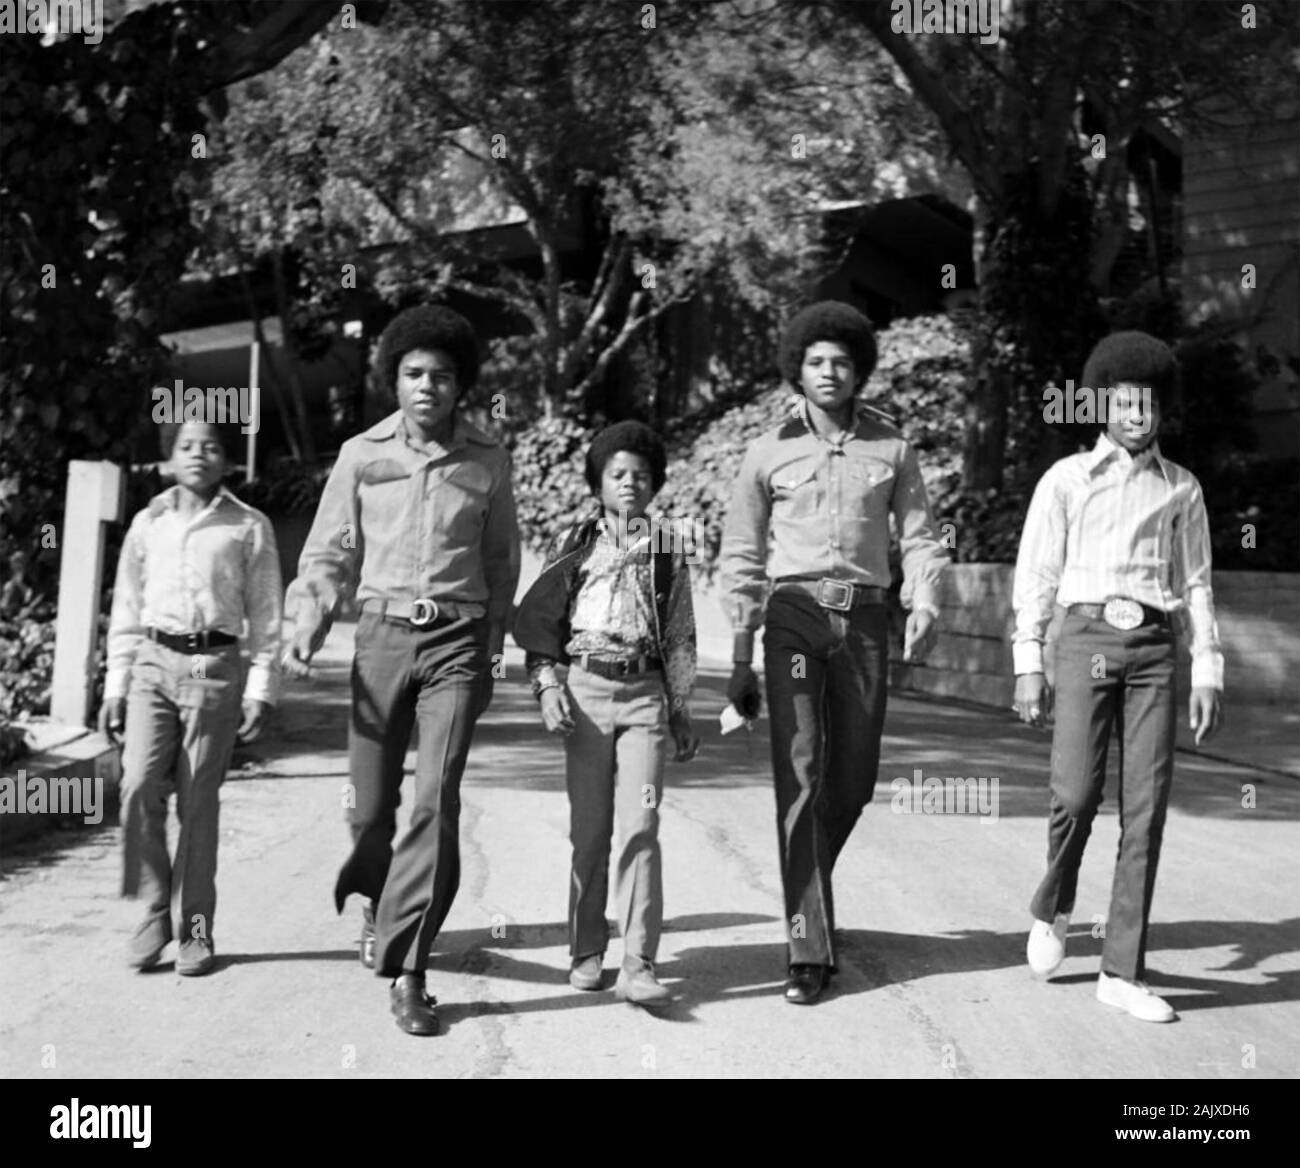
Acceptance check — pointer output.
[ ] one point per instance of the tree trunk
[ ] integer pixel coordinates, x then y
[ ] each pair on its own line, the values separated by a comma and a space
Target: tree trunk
297, 399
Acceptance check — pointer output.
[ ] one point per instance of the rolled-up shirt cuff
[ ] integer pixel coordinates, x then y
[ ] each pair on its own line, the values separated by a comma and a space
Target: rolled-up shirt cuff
1027, 657
116, 683
261, 685
1207, 671
544, 677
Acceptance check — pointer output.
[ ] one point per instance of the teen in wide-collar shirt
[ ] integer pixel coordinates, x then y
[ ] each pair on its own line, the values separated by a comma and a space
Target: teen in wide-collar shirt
1106, 523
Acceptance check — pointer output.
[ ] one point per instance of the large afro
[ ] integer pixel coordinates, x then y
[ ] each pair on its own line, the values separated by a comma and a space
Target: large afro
827, 320
633, 437
1136, 357
428, 327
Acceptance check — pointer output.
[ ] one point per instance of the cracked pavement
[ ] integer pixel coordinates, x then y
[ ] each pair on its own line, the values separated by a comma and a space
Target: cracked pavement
932, 912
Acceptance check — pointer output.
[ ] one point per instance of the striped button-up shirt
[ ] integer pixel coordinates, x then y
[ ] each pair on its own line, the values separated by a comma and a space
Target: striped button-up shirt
399, 521
216, 571
1105, 523
806, 507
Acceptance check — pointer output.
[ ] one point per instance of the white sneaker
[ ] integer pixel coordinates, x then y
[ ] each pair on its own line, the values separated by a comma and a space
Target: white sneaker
1046, 947
1135, 997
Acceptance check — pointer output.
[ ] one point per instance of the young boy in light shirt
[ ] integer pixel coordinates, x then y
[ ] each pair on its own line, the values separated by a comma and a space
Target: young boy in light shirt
197, 567
1118, 536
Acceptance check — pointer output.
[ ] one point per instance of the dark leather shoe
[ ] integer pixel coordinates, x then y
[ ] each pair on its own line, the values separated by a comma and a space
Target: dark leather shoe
412, 1007
367, 952
806, 984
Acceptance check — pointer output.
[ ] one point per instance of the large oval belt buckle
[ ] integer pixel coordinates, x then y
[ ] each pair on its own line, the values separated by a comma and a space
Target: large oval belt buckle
1122, 613
424, 612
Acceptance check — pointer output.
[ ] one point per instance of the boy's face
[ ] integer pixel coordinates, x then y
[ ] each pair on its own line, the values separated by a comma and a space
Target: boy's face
1133, 417
426, 388
198, 459
626, 484
827, 376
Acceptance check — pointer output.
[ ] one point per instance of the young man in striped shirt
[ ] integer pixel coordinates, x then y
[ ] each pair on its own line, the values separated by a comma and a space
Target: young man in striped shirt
1118, 537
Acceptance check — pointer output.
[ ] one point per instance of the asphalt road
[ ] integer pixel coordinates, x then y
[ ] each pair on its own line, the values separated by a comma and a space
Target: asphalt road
932, 909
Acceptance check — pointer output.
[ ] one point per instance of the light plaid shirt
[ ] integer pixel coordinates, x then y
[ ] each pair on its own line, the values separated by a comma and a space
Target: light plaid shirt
1105, 523
214, 571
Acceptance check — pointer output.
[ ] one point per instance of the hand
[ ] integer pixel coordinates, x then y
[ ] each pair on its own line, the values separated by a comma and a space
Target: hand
1204, 711
919, 636
254, 720
742, 690
112, 719
307, 639
1033, 698
686, 741
556, 712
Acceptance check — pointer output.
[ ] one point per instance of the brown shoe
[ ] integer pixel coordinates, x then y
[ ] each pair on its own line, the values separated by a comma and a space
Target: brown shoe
588, 972
640, 987
412, 1007
146, 947
195, 958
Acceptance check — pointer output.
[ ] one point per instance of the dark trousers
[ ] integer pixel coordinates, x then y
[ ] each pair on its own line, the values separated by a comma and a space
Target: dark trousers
182, 714
1123, 681
437, 675
827, 679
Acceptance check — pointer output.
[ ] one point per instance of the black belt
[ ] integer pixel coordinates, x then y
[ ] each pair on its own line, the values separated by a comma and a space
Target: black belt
618, 666
837, 595
1150, 616
424, 611
192, 642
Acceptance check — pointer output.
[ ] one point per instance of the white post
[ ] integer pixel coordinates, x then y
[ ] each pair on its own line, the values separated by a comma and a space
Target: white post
254, 392
94, 497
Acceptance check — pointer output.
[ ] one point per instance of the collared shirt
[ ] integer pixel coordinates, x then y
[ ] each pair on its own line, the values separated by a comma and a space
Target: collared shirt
1105, 523
399, 520
612, 612
209, 572
806, 507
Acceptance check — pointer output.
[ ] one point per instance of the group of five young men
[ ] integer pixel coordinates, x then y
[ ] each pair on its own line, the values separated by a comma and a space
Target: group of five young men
416, 525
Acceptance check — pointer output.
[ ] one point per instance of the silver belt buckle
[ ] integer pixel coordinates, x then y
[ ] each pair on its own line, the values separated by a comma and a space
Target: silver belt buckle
835, 594
1122, 613
424, 612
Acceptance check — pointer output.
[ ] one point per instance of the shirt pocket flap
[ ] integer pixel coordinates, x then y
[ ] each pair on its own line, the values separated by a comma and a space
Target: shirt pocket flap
384, 470
473, 476
789, 479
871, 471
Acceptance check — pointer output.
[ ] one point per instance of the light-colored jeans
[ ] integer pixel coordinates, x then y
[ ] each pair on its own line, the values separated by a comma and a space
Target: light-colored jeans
615, 771
181, 717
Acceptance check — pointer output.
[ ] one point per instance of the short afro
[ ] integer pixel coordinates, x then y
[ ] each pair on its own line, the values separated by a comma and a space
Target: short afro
634, 438
1132, 356
827, 320
229, 435
428, 327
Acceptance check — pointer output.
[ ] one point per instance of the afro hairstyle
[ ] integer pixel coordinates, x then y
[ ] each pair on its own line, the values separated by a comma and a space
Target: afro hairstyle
1133, 356
428, 327
827, 320
229, 434
634, 438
